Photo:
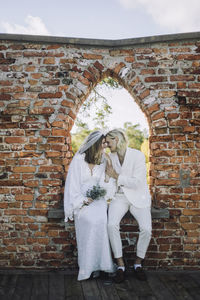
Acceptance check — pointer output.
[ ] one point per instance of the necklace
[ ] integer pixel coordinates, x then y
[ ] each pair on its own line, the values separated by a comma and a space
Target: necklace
91, 167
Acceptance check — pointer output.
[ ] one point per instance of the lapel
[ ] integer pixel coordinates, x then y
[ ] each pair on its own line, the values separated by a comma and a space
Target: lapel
126, 163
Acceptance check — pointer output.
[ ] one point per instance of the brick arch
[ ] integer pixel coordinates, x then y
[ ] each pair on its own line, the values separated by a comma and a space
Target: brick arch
124, 73
130, 81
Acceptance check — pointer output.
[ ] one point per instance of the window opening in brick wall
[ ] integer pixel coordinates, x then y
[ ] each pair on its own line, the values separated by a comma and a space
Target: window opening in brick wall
111, 106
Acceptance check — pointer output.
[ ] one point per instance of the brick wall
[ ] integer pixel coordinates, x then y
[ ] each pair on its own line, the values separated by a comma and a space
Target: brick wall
44, 82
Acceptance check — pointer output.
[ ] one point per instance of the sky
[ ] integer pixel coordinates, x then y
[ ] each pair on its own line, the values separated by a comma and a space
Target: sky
102, 19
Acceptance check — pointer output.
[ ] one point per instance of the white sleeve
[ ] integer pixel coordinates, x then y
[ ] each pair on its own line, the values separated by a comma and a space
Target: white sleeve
138, 176
73, 198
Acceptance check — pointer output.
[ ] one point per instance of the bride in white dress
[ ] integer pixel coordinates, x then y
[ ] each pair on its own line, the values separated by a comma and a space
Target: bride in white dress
86, 170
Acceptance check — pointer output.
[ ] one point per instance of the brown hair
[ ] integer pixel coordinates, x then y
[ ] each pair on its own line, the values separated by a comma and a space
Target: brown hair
92, 155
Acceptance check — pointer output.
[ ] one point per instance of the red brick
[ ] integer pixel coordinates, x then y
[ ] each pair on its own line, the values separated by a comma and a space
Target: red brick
15, 140
92, 56
191, 212
144, 94
34, 54
53, 154
45, 132
130, 59
42, 110
26, 169
84, 80
72, 115
182, 78
50, 95
13, 212
178, 122
99, 66
5, 97
24, 197
51, 182
59, 132
155, 79
50, 169
11, 183
118, 68
167, 182
153, 108
49, 61
188, 57
166, 94
189, 129
164, 153
32, 183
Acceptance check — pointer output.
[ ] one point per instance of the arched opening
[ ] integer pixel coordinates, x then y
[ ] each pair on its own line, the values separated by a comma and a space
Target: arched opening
109, 106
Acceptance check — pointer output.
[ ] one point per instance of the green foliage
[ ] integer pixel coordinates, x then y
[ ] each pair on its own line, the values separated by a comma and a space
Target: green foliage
134, 134
145, 150
110, 83
78, 137
137, 138
97, 105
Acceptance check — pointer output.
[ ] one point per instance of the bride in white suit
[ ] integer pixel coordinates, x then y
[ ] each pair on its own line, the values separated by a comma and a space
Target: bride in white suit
86, 170
129, 170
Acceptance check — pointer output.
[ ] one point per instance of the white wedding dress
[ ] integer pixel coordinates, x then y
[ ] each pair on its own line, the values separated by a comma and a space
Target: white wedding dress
90, 221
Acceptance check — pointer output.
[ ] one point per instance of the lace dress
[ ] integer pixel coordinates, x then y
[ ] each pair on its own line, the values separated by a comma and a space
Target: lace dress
90, 221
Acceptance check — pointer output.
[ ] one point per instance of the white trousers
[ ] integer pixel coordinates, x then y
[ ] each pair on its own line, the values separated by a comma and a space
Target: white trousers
117, 209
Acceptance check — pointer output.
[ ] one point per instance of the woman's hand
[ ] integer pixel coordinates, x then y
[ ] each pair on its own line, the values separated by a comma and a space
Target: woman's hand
90, 200
111, 172
108, 164
108, 159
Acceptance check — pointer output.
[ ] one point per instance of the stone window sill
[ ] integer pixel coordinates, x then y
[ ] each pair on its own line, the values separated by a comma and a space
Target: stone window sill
157, 213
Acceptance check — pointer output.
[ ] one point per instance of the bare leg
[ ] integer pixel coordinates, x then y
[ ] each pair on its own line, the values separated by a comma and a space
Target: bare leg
120, 262
138, 260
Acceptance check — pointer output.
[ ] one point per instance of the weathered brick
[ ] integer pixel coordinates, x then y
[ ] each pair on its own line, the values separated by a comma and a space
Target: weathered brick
50, 169
67, 103
84, 80
26, 169
50, 95
24, 197
5, 97
16, 140
59, 132
99, 66
21, 212
42, 110
182, 78
92, 56
49, 61
191, 212
119, 67
155, 79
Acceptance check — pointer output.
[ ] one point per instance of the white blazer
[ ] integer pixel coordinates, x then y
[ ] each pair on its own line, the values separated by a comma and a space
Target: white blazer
132, 177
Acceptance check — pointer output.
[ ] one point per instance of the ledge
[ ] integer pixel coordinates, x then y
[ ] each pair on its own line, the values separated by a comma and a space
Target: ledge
99, 42
157, 213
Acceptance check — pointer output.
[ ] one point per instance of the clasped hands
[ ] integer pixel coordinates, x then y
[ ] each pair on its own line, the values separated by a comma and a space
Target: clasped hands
110, 172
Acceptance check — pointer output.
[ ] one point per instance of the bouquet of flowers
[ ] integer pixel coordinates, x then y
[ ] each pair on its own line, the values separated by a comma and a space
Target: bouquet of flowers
96, 192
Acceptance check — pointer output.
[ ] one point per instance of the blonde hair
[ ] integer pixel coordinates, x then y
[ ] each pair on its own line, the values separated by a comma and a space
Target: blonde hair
123, 140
